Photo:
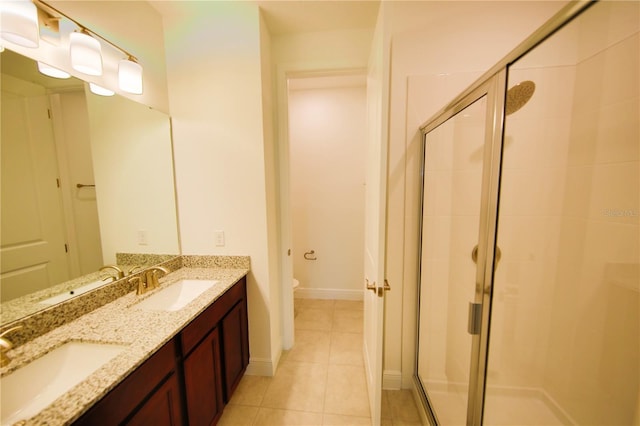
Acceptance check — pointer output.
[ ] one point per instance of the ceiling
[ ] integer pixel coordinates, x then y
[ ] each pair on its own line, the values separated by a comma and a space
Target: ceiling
286, 17
296, 16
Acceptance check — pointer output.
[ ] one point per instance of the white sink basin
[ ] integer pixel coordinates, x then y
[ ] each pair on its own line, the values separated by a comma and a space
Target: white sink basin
177, 295
30, 389
73, 293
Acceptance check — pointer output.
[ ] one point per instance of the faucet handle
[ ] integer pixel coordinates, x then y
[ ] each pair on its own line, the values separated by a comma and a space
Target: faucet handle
9, 330
135, 268
119, 271
141, 286
6, 345
152, 275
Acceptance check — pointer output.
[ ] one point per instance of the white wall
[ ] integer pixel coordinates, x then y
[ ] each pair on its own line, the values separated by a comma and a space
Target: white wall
132, 164
215, 89
327, 135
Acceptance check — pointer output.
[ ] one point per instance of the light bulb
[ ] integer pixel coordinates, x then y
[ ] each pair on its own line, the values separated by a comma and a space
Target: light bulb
86, 53
51, 71
130, 76
19, 23
99, 90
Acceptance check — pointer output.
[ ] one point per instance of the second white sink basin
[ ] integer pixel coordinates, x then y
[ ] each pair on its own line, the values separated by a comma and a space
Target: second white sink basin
73, 293
30, 389
177, 295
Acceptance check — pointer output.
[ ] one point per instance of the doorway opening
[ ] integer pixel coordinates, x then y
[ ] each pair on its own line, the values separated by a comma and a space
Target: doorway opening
322, 171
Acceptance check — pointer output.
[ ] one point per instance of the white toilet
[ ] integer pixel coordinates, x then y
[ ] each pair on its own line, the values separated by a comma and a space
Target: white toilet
296, 284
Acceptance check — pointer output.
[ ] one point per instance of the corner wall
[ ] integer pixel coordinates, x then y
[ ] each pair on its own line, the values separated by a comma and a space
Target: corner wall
215, 89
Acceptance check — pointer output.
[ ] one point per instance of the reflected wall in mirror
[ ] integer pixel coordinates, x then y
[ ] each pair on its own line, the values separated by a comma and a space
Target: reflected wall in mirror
56, 140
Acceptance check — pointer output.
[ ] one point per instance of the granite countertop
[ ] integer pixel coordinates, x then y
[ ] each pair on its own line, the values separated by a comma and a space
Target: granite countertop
120, 322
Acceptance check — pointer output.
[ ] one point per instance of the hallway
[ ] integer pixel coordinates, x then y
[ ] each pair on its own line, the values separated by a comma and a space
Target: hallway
321, 381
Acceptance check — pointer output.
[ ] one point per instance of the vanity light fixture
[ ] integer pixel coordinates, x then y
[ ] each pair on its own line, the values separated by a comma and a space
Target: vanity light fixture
52, 71
86, 53
130, 76
99, 90
19, 22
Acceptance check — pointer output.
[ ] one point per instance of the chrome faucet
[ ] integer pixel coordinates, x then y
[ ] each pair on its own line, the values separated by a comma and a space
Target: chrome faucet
120, 272
152, 276
6, 346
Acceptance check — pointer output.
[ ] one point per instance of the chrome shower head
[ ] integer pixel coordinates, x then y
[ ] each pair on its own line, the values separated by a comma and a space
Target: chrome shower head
519, 95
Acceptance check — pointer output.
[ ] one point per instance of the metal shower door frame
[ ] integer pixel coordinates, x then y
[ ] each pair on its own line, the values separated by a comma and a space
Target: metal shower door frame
494, 91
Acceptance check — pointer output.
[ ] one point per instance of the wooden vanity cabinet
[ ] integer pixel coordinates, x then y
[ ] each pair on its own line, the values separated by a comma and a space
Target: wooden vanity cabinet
190, 379
215, 347
149, 395
235, 344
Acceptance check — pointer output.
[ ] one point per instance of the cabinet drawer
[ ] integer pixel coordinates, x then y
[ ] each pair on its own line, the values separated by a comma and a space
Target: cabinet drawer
202, 325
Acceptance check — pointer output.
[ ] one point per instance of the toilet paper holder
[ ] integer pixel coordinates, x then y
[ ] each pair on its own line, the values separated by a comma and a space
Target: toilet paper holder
310, 255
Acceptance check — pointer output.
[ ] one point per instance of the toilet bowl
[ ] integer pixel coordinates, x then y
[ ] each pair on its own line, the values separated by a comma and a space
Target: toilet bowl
296, 284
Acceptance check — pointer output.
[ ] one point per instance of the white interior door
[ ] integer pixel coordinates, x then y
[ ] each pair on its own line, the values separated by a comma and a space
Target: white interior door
32, 236
375, 212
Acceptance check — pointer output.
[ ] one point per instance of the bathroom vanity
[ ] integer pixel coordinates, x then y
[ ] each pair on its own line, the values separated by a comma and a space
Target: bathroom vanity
178, 364
202, 365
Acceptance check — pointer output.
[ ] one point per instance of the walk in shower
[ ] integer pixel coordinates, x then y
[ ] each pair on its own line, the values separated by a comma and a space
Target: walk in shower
529, 265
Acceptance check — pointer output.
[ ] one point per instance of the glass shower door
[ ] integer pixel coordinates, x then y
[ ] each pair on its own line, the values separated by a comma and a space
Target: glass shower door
453, 159
565, 323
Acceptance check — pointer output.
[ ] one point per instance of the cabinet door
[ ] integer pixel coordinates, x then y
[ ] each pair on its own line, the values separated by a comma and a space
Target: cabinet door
235, 347
163, 408
203, 382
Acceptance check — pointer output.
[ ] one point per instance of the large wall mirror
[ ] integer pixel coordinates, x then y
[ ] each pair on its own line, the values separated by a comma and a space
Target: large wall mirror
83, 177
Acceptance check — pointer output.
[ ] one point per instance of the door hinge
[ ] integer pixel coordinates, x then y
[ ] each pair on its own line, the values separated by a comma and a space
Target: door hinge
475, 318
58, 182
49, 113
66, 248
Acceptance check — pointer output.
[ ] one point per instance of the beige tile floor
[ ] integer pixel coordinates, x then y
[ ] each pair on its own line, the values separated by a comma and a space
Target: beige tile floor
321, 380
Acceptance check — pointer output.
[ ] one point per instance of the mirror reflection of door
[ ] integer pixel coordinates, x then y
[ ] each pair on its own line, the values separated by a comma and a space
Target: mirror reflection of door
50, 231
32, 238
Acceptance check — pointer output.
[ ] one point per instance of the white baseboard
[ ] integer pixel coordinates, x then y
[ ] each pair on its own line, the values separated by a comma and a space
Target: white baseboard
391, 380
328, 293
260, 367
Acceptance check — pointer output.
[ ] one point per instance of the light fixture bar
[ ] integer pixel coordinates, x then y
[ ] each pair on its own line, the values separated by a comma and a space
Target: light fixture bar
83, 28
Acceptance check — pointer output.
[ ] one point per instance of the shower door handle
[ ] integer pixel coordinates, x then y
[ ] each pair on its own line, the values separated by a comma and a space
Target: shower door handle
474, 255
475, 318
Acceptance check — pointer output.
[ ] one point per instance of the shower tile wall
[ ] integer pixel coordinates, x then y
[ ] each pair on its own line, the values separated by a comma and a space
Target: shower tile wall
565, 321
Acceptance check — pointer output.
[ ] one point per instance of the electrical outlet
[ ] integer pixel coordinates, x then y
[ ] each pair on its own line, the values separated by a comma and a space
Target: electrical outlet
143, 238
219, 238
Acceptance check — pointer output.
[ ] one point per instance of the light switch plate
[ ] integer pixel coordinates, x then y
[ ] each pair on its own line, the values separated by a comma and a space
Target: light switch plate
143, 238
219, 235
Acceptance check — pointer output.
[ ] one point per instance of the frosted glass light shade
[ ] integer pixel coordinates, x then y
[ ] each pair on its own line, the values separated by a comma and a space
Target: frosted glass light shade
19, 22
130, 76
86, 53
99, 90
51, 71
